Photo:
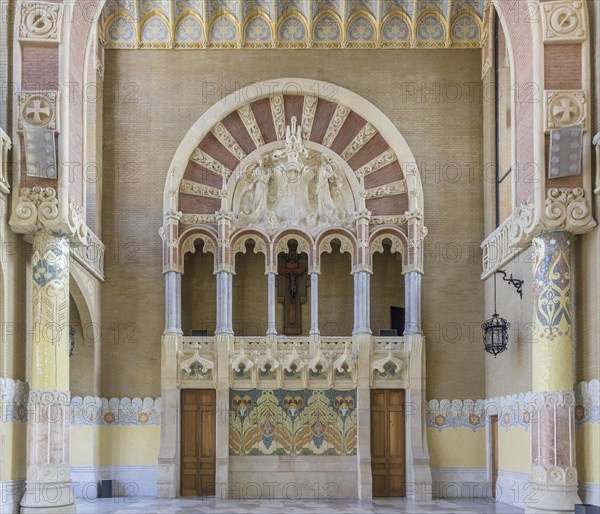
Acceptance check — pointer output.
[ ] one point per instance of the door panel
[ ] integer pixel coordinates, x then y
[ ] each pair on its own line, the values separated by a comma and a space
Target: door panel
198, 442
388, 443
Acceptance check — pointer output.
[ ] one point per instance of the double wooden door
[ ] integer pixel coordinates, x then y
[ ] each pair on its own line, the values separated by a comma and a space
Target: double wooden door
198, 424
388, 464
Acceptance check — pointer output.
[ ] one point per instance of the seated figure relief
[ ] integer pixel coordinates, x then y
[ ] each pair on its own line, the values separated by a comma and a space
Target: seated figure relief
293, 186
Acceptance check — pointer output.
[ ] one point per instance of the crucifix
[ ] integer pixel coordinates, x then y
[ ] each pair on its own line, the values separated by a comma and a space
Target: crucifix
292, 285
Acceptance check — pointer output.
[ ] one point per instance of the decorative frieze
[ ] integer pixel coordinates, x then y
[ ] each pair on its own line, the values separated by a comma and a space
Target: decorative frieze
515, 410
391, 189
278, 112
38, 109
295, 24
377, 163
563, 21
13, 400
587, 408
91, 410
228, 141
565, 108
361, 139
198, 219
202, 158
251, 125
337, 120
308, 115
40, 21
194, 188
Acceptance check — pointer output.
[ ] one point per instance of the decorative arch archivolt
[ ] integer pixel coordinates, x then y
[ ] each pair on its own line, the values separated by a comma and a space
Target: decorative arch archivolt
326, 238
281, 241
230, 173
261, 244
399, 243
188, 240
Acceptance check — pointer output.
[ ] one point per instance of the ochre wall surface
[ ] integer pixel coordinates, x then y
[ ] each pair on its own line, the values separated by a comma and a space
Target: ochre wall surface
153, 98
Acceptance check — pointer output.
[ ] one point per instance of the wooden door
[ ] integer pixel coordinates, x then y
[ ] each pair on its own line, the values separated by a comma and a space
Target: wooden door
388, 442
494, 428
198, 424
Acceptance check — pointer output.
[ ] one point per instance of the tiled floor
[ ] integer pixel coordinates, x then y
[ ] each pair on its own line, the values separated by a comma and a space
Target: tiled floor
209, 506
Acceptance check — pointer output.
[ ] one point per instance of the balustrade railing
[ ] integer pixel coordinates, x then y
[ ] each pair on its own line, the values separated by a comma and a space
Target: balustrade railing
5, 145
91, 256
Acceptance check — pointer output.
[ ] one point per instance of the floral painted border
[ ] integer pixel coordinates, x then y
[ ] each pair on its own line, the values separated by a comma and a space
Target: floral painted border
13, 400
514, 410
92, 410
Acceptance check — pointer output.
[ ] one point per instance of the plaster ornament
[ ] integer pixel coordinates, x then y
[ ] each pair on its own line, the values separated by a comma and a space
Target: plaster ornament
292, 187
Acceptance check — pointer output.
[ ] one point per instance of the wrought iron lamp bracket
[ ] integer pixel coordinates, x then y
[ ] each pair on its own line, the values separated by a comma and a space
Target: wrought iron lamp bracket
518, 283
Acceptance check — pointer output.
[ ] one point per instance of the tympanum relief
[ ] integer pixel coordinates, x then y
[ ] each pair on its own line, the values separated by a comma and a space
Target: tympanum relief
292, 186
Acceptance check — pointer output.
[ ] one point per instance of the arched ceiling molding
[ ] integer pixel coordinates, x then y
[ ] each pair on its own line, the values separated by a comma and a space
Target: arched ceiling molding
311, 32
276, 88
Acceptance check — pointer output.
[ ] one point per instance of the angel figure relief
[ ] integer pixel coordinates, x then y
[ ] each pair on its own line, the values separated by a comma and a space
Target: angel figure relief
292, 186
254, 202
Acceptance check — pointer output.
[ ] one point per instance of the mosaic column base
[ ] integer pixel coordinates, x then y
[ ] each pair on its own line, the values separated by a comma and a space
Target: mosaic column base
48, 487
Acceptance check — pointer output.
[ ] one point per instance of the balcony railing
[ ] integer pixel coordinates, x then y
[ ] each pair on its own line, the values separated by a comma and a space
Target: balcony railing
5, 145
91, 256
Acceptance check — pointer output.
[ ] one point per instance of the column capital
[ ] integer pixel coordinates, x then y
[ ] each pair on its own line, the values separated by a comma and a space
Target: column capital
39, 208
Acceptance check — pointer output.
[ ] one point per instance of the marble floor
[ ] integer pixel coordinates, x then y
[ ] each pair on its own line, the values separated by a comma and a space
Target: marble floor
209, 506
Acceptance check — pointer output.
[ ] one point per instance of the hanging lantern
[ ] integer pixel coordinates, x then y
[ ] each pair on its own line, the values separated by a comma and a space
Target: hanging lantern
495, 331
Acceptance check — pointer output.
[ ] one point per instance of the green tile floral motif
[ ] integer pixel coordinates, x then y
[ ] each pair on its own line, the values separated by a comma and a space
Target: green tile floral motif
282, 422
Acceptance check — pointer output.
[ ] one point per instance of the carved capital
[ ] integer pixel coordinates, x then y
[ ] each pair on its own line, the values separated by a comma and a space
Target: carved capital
567, 209
38, 208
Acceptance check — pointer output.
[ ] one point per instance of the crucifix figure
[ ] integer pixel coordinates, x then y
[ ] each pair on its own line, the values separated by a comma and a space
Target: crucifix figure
292, 285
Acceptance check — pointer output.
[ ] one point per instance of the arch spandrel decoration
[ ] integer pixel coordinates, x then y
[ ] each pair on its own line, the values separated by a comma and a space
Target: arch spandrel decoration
264, 160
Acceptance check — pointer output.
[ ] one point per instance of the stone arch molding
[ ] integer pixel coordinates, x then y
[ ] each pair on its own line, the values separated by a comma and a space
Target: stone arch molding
289, 154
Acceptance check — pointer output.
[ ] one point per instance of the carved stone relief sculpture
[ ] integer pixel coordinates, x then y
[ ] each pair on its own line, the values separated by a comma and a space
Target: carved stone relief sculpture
292, 186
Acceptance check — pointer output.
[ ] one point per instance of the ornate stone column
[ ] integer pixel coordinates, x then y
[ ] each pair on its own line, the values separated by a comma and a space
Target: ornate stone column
224, 302
362, 302
169, 453
173, 303
412, 303
48, 471
552, 433
271, 322
314, 304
